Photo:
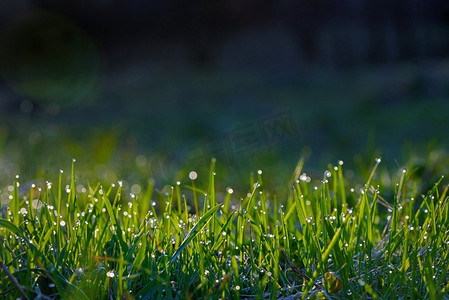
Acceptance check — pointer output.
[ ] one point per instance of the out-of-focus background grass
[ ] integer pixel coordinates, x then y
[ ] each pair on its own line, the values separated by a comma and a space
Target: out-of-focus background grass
152, 89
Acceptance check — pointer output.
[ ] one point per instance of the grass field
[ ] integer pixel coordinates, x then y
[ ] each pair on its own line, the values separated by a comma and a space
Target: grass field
330, 237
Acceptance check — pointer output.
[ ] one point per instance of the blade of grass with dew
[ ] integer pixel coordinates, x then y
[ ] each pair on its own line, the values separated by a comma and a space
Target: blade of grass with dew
195, 230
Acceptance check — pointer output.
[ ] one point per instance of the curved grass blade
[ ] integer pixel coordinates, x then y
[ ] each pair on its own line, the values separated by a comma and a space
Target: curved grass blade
195, 230
14, 229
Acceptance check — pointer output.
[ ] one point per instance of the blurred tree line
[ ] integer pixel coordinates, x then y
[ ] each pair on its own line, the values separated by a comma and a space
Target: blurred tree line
328, 33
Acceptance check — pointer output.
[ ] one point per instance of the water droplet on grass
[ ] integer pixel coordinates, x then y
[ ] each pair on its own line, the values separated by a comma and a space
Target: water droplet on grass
193, 175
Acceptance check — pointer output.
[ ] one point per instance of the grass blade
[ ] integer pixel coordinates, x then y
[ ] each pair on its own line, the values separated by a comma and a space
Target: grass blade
195, 230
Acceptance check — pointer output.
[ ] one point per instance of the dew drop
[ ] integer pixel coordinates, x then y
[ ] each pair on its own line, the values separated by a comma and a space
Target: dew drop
193, 175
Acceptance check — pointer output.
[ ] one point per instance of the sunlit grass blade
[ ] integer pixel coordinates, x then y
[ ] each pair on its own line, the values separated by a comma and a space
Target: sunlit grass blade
195, 230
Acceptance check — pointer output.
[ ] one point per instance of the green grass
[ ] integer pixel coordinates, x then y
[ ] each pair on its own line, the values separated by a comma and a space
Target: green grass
330, 237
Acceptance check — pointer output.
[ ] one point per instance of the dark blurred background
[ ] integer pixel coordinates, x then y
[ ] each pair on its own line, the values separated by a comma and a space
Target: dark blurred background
143, 89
